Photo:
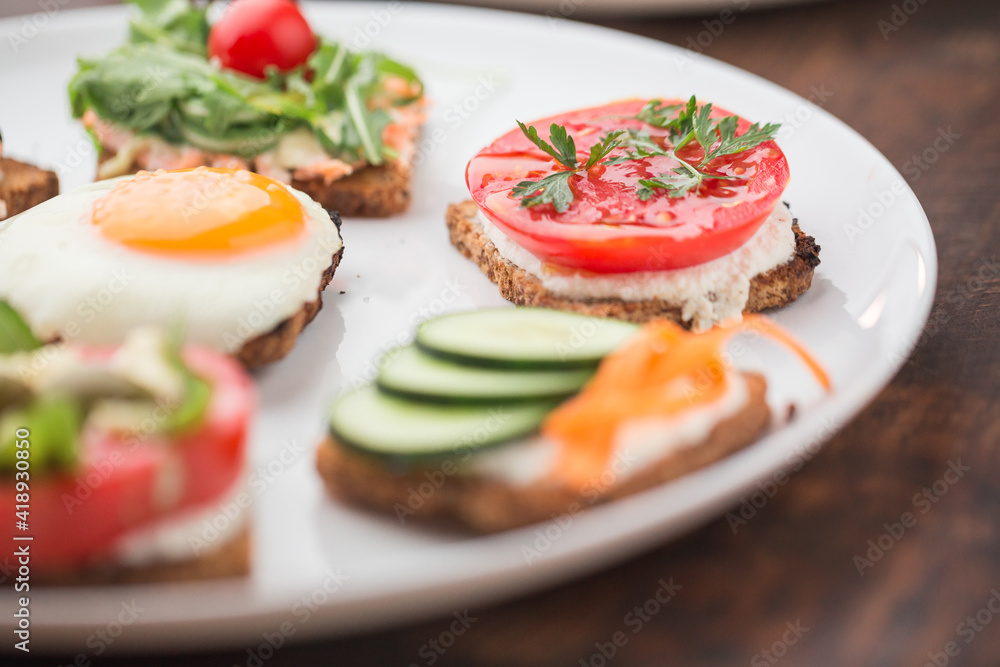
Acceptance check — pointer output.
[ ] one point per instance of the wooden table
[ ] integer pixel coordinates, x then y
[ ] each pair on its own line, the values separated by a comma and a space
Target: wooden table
787, 583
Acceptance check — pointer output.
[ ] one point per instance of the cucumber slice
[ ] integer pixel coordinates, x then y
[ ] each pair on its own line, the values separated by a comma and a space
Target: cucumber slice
392, 427
522, 338
410, 373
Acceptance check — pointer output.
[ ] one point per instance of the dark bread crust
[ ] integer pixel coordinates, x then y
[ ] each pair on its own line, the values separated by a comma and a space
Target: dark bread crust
488, 505
232, 559
369, 192
277, 343
772, 289
23, 185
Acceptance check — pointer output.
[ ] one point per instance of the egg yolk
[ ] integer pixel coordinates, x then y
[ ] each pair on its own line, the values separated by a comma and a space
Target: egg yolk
202, 212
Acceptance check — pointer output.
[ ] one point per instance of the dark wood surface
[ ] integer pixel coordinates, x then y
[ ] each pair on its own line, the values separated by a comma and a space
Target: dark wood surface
795, 561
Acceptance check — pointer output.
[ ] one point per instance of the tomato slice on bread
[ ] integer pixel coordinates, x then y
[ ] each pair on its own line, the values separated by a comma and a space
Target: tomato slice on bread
607, 228
129, 482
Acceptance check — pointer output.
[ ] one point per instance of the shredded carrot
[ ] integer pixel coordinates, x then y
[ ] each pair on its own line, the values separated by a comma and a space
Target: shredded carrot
776, 333
662, 371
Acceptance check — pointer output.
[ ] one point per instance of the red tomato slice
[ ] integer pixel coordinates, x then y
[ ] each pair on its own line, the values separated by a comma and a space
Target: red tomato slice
255, 34
607, 228
125, 483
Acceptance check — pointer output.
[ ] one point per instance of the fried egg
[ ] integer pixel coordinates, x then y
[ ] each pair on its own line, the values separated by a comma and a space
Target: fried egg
227, 254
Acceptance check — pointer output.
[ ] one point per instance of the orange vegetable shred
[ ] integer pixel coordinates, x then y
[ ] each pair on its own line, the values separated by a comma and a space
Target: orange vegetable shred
662, 371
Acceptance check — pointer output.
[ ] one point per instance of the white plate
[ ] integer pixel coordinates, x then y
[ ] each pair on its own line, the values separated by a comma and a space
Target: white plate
483, 69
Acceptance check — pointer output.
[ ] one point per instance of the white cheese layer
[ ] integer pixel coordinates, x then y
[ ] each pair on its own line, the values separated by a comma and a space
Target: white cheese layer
638, 445
707, 294
191, 534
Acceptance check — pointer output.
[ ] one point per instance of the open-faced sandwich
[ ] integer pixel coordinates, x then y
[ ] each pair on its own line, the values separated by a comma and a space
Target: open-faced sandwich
637, 210
23, 185
237, 258
256, 90
480, 421
113, 458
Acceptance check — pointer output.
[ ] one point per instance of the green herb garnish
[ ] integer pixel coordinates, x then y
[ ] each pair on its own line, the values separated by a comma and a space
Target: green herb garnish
684, 124
161, 83
15, 334
555, 189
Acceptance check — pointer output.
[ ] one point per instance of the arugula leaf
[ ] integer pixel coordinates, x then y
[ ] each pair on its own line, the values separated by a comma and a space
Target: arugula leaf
562, 148
181, 97
176, 24
553, 189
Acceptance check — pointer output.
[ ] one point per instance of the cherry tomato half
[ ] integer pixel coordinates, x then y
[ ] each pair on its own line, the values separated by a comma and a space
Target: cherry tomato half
255, 34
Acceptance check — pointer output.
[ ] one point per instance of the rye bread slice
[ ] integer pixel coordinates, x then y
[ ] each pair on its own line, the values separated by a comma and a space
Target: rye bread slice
23, 185
772, 289
369, 192
277, 343
231, 559
484, 504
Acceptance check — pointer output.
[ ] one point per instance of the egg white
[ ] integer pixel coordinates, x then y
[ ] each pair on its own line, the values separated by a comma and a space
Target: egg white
70, 282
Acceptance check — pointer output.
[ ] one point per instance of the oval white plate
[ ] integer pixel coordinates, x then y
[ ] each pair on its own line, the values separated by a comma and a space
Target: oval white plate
483, 69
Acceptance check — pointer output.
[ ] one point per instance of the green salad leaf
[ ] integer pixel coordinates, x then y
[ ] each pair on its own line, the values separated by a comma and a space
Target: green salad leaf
53, 424
161, 83
55, 408
190, 412
178, 25
15, 335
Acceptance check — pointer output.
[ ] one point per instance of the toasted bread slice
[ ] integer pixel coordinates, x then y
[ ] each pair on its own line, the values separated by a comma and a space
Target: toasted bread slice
772, 289
369, 192
23, 186
485, 504
231, 559
277, 343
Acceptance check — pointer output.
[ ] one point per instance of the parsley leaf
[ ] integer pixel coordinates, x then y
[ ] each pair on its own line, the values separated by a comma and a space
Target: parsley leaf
684, 180
676, 185
657, 114
683, 122
562, 148
705, 130
600, 150
553, 189
730, 144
